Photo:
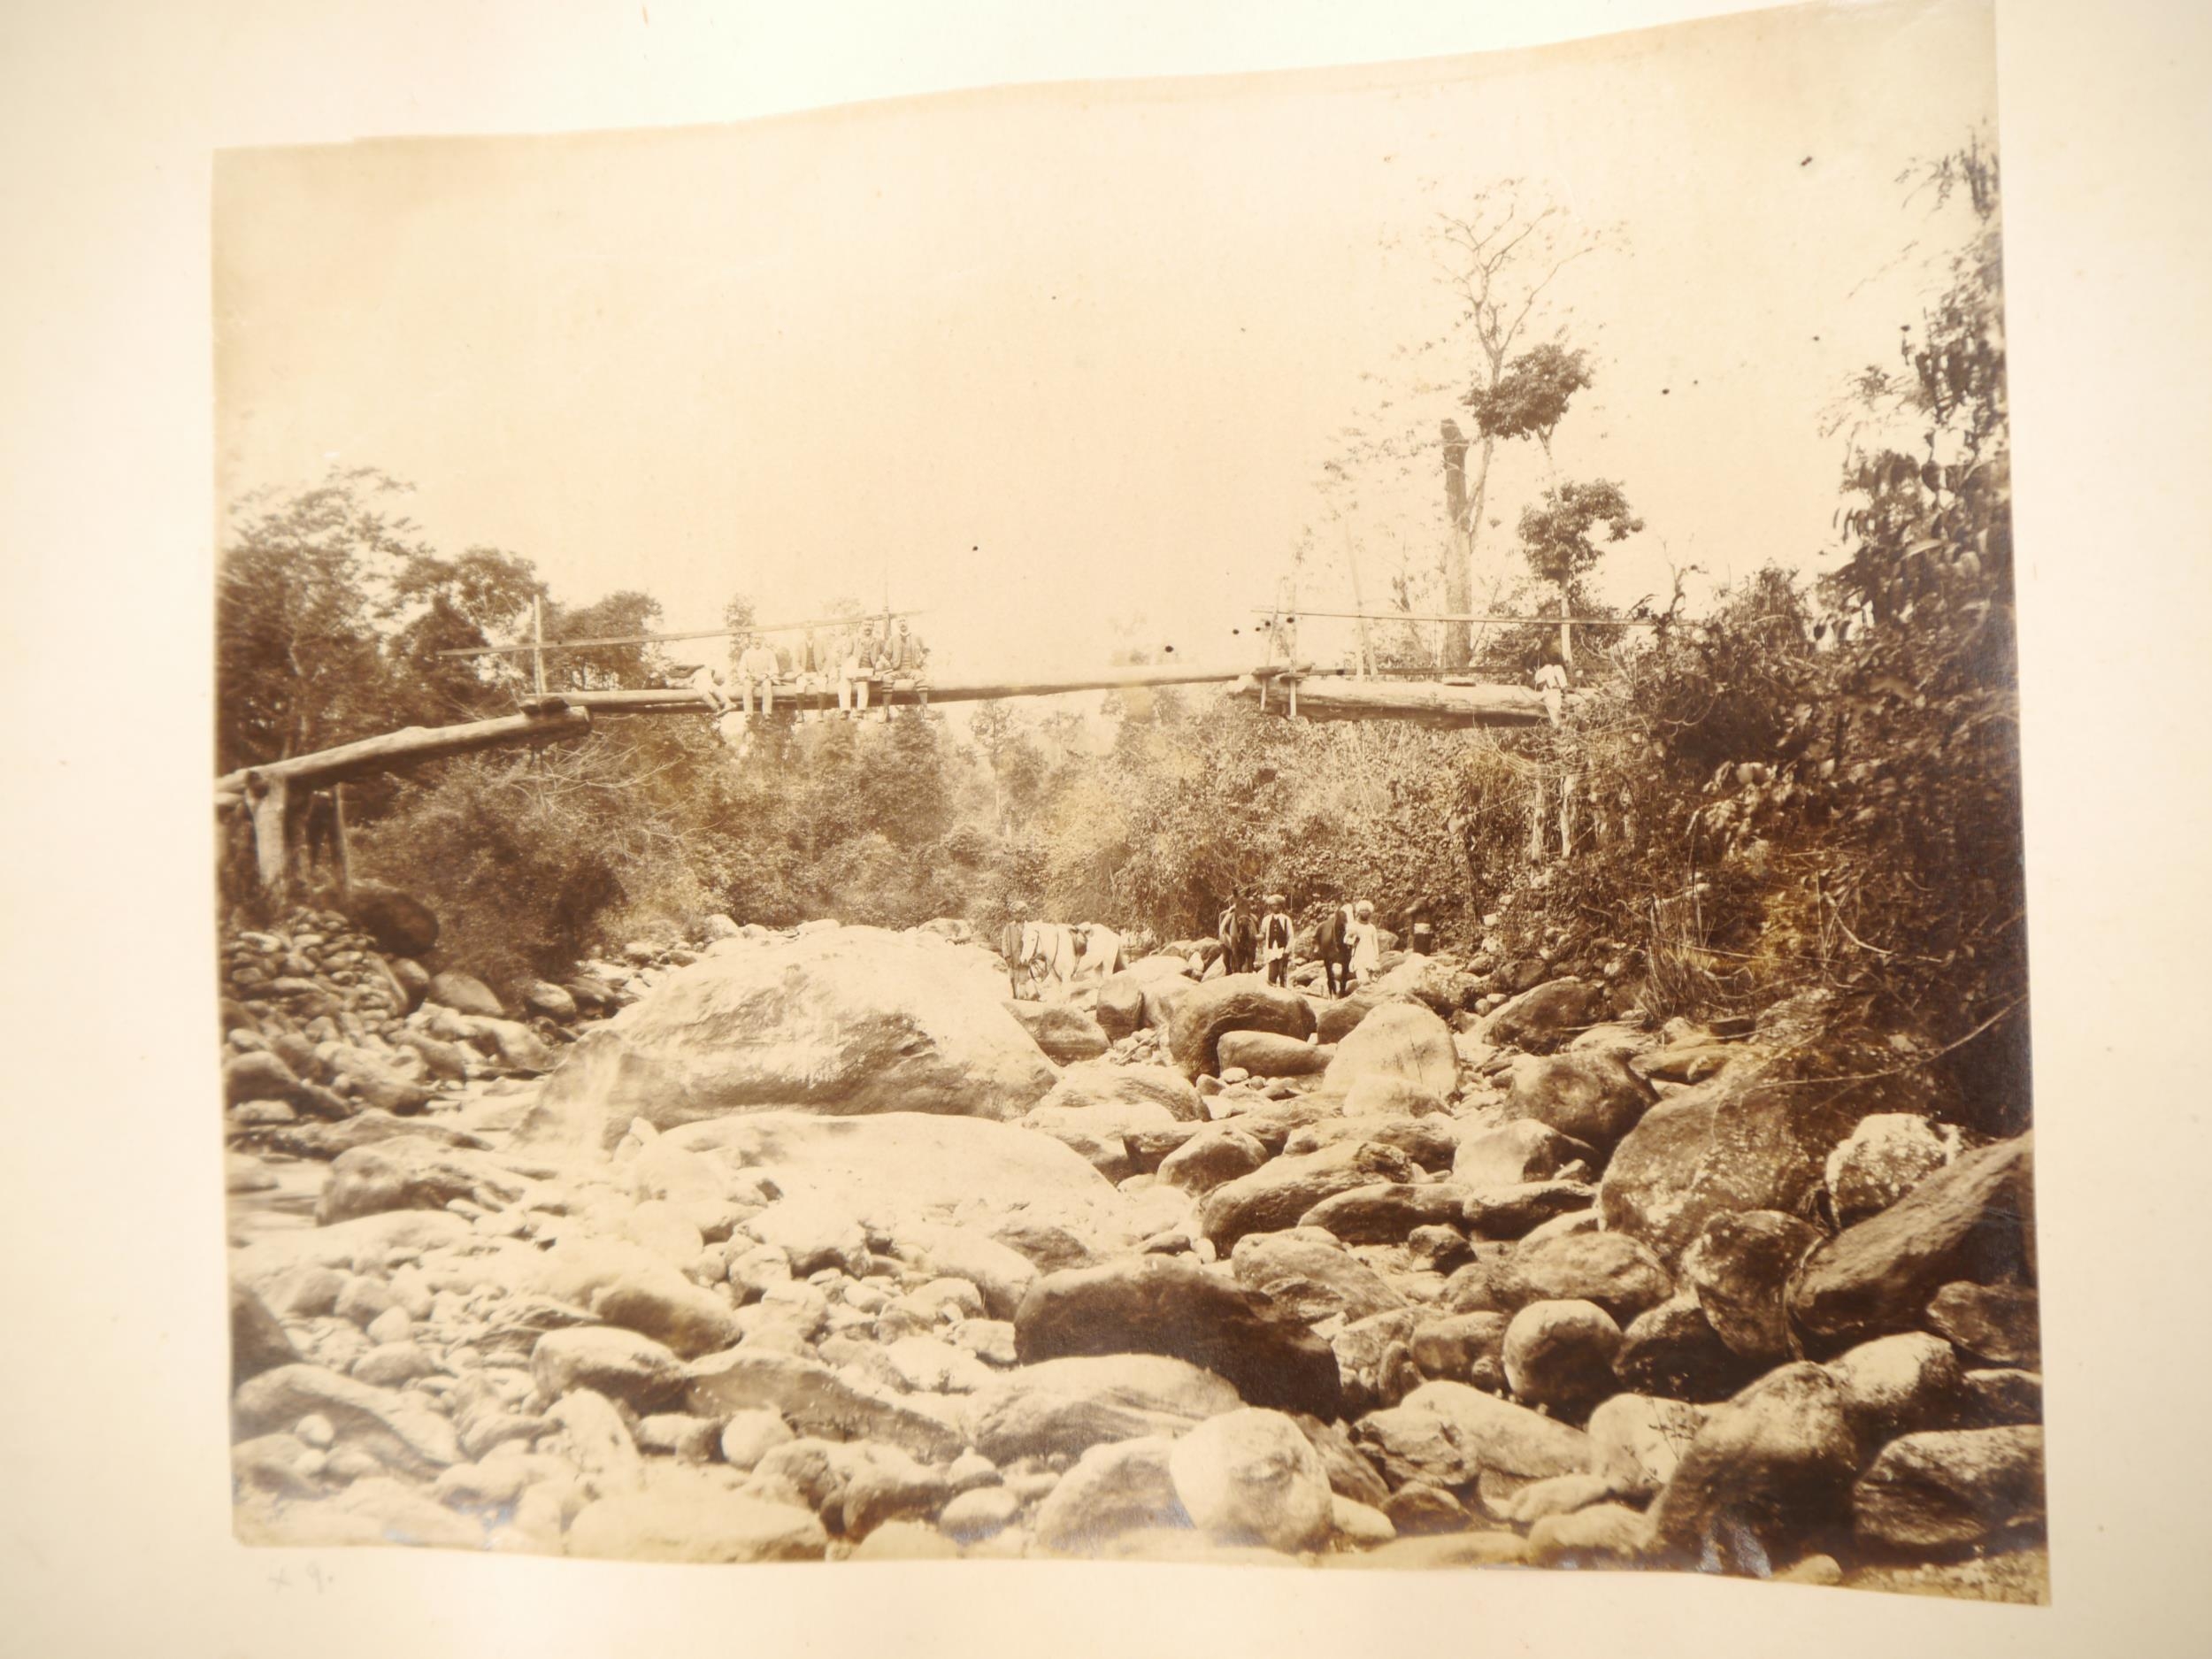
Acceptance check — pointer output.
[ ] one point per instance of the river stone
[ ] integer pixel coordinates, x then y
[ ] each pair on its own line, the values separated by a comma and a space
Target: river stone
1539, 1021
1276, 1194
1515, 1155
1429, 1141
1063, 1031
1768, 1476
1722, 1147
1560, 1354
258, 1341
1601, 1535
1738, 1269
1062, 1406
1269, 1054
1386, 1212
682, 1515
621, 1365
400, 924
1251, 1477
1216, 1154
813, 1399
1309, 1276
1119, 1007
846, 1022
1099, 1083
1617, 1273
464, 994
1952, 1491
406, 1172
1637, 1441
1885, 1157
387, 1423
1451, 1435
1998, 1324
1592, 1098
1898, 1385
1241, 1002
1398, 1040
1112, 1490
1968, 1221
1380, 1095
1514, 1212
1447, 1348
1170, 1305
1672, 1349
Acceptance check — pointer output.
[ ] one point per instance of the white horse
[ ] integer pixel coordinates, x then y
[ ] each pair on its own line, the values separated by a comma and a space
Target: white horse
1101, 950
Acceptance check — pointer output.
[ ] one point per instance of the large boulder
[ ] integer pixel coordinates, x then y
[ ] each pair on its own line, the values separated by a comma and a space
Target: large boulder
845, 1022
1270, 1054
1112, 1491
1057, 1408
257, 1340
1673, 1350
1278, 1193
1217, 1154
1119, 1009
1311, 1277
1731, 1144
1398, 1040
1239, 1002
1768, 1476
1387, 1212
1341, 1017
1592, 1098
1439, 984
1449, 1434
1094, 1083
1738, 1269
1065, 1032
1251, 1477
402, 924
1541, 1020
1170, 1305
1952, 1491
1968, 1221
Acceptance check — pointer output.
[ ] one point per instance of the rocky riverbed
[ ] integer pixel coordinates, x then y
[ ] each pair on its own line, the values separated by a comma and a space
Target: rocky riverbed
809, 1245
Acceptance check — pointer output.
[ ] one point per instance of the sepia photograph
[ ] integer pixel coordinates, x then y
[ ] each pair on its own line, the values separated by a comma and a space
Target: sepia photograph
1267, 820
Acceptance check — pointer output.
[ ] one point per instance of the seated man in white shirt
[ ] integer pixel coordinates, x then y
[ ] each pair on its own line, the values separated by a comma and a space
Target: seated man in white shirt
755, 672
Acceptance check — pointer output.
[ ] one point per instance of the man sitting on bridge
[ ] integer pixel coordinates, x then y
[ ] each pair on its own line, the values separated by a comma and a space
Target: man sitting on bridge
756, 671
858, 663
905, 655
707, 682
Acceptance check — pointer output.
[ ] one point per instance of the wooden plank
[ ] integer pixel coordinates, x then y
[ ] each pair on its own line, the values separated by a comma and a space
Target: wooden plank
678, 700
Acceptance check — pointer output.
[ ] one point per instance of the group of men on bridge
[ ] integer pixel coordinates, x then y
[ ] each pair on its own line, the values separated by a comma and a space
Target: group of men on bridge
854, 661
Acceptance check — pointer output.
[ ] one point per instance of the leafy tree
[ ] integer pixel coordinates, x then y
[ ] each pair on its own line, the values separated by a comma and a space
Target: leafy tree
1562, 536
1530, 398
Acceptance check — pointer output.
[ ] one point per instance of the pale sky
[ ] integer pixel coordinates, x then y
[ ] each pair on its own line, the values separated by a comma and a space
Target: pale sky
1049, 359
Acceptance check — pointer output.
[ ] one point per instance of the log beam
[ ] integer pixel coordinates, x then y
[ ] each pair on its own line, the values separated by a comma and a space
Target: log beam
1424, 702
407, 746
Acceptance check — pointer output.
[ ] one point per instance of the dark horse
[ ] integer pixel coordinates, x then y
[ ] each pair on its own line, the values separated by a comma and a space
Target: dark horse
1240, 939
1335, 951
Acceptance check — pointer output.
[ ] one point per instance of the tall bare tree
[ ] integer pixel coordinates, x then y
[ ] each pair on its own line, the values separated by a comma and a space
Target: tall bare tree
1498, 258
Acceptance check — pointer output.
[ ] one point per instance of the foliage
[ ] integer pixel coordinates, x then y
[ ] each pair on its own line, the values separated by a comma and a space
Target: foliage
1529, 397
1557, 532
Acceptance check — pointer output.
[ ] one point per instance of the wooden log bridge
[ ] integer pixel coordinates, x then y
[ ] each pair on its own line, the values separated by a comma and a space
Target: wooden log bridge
1451, 704
275, 796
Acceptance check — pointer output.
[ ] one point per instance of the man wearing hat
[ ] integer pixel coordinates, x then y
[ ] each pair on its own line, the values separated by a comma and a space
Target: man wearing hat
1275, 940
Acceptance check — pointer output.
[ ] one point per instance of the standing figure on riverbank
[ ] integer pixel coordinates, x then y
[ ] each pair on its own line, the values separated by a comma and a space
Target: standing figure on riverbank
1276, 937
1420, 930
1366, 944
